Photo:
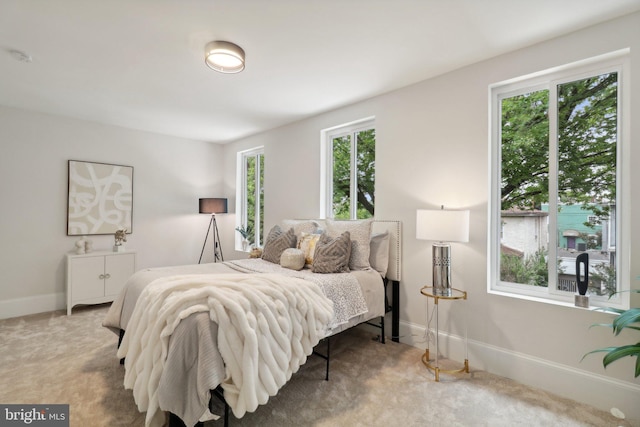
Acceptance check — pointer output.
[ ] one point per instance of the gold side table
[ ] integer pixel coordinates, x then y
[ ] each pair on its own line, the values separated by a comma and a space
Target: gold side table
456, 294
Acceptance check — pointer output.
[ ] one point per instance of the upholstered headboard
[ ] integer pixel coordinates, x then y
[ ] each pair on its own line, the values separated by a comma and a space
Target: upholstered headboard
394, 228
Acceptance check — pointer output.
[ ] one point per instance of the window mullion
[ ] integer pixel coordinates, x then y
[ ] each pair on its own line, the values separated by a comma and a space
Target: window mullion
258, 189
552, 254
353, 199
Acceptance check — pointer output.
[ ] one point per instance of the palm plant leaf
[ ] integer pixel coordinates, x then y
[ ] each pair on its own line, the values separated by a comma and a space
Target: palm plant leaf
622, 351
606, 325
610, 310
626, 320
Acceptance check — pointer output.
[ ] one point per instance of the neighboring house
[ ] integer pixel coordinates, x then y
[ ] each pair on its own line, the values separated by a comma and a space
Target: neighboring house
574, 223
525, 232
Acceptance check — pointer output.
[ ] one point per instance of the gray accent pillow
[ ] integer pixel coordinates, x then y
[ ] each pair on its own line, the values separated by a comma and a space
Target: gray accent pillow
332, 254
277, 241
360, 232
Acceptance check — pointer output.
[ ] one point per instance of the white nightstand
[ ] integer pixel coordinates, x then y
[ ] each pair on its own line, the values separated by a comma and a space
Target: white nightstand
97, 277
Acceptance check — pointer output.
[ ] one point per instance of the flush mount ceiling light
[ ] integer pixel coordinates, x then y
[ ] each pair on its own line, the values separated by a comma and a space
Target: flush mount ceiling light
224, 57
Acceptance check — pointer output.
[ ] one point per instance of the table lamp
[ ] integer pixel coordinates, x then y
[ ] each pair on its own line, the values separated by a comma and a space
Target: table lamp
442, 226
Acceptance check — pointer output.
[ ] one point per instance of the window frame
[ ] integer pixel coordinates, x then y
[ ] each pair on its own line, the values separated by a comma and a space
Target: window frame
617, 61
241, 195
326, 163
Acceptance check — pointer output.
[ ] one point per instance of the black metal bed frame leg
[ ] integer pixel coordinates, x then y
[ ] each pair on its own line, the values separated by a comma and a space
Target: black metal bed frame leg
219, 393
326, 357
120, 337
395, 311
326, 377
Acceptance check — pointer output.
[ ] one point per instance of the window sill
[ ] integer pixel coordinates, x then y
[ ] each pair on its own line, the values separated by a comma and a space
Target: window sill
566, 302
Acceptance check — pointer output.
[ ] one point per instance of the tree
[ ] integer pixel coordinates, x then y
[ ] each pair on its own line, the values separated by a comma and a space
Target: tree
252, 181
603, 280
530, 270
587, 137
365, 174
525, 151
592, 241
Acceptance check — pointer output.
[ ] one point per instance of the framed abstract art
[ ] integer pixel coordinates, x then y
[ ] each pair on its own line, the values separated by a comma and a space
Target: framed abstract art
100, 198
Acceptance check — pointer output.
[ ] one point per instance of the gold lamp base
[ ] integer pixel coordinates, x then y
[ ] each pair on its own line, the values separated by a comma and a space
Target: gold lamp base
436, 368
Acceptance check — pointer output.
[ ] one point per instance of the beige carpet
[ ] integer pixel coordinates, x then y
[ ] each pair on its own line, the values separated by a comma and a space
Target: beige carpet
51, 358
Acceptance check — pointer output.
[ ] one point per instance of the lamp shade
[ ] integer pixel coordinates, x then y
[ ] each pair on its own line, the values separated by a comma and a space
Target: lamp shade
213, 206
442, 225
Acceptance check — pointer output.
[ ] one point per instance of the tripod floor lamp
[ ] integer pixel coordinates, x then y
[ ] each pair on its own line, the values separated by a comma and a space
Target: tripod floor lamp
213, 207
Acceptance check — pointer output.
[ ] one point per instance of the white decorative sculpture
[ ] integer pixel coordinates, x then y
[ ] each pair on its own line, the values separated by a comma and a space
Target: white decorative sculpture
88, 245
80, 246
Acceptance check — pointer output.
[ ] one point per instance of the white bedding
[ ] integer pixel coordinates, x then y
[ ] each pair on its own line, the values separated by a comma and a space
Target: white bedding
268, 324
185, 392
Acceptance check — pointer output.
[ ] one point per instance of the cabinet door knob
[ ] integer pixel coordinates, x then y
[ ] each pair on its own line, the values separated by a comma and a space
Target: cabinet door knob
106, 276
101, 276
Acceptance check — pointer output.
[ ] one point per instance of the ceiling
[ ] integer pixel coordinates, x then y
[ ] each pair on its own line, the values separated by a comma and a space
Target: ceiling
140, 63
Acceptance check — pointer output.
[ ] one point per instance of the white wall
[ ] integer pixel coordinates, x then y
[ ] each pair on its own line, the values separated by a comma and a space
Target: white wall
432, 149
170, 174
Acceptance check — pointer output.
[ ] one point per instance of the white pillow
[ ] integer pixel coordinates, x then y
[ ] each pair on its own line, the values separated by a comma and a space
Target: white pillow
379, 252
360, 232
292, 258
300, 226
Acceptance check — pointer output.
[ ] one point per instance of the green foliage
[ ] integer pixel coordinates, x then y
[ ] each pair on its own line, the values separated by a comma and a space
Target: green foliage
254, 166
592, 241
341, 177
365, 175
246, 233
525, 150
604, 274
531, 270
587, 129
626, 319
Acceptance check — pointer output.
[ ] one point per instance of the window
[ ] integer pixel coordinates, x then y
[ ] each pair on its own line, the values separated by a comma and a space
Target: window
349, 170
250, 199
557, 140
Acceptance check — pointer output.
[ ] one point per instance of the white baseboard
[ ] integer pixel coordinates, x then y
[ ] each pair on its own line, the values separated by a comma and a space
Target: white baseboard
593, 389
32, 305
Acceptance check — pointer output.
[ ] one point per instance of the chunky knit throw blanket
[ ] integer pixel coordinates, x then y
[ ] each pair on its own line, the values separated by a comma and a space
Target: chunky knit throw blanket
268, 325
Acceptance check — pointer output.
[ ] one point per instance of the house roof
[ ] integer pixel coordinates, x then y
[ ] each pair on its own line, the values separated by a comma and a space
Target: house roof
140, 64
506, 250
520, 212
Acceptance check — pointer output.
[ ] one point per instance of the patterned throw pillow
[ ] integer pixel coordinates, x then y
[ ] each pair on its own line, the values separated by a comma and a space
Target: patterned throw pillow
332, 255
360, 231
277, 241
307, 244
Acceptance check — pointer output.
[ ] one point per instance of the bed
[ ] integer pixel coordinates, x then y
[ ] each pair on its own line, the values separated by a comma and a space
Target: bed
239, 329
